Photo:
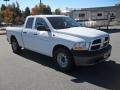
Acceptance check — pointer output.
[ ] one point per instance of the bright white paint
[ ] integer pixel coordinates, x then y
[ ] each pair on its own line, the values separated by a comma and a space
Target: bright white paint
45, 41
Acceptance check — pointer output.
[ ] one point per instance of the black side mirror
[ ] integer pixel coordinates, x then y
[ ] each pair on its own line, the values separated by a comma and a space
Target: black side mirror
42, 28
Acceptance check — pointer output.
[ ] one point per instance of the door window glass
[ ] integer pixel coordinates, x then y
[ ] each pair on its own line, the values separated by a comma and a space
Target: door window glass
29, 23
40, 21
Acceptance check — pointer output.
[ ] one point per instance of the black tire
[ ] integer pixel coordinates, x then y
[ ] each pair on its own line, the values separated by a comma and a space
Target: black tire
15, 46
68, 59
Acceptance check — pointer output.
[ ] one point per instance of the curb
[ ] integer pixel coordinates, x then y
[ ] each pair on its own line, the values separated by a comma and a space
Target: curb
2, 32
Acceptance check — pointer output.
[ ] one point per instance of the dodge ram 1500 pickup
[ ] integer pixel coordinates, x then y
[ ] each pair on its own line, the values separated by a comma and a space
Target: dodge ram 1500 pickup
62, 38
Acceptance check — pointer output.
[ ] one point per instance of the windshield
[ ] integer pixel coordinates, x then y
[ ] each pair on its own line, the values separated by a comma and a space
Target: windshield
62, 22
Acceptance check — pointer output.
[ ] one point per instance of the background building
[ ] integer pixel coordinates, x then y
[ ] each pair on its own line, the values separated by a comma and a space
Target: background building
99, 16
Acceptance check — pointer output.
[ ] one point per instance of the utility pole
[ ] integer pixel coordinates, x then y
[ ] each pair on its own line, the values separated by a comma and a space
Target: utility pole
40, 3
40, 6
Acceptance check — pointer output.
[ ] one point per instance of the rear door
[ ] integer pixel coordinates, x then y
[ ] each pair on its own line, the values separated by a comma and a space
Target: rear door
28, 34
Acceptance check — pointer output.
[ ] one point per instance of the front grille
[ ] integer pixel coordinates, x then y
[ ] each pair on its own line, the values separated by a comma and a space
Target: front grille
106, 38
96, 44
96, 41
95, 47
99, 43
106, 42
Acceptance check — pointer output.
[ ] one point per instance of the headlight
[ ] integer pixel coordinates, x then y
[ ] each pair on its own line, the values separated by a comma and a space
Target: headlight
81, 46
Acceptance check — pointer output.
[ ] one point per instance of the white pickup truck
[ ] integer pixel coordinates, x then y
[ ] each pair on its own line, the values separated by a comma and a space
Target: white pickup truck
61, 37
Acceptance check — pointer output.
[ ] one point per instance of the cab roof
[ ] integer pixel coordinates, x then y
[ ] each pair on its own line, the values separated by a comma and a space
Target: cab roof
47, 16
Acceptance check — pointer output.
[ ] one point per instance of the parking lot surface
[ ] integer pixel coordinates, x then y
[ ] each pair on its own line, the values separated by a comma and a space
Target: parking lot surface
33, 71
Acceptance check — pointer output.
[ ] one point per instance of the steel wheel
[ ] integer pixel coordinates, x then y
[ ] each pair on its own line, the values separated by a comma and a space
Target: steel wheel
63, 59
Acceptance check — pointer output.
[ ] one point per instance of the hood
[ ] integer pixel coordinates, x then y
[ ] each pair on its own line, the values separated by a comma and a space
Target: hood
83, 32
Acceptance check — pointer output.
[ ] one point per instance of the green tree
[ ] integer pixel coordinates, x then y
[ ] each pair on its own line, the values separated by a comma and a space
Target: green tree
11, 13
27, 12
57, 11
3, 7
17, 9
43, 9
0, 17
48, 10
16, 13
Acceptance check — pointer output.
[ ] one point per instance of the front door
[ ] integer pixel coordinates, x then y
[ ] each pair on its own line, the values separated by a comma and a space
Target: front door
28, 34
42, 39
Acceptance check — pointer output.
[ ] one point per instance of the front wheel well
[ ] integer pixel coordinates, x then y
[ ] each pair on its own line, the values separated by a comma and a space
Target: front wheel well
60, 46
12, 37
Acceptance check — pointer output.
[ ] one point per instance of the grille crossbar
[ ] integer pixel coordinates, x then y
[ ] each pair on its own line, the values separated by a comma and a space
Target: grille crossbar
99, 43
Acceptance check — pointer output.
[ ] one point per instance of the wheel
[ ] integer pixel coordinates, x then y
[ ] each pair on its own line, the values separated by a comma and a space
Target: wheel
15, 46
63, 59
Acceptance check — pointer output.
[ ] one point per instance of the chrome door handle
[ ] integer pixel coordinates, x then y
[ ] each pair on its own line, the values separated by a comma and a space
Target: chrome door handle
35, 34
24, 32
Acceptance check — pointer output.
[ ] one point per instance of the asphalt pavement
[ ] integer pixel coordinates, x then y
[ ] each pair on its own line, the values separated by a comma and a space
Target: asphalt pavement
33, 71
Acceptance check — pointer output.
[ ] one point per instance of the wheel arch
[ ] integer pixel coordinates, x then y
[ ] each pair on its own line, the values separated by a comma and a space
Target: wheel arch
12, 37
60, 46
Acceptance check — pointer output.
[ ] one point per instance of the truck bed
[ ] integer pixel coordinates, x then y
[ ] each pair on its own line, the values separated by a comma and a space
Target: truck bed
17, 32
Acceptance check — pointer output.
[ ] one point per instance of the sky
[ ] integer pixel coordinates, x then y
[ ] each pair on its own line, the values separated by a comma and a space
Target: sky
64, 3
